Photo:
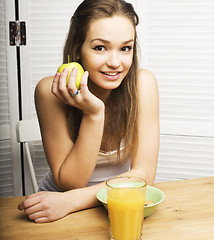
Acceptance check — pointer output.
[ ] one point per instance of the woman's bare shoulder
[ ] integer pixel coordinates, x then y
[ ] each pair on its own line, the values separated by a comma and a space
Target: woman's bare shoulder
147, 82
43, 87
145, 76
44, 98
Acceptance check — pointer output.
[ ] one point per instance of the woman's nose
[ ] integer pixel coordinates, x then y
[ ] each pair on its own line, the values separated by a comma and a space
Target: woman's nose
113, 60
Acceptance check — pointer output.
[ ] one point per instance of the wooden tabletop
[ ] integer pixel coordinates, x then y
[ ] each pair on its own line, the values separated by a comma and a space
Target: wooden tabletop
187, 213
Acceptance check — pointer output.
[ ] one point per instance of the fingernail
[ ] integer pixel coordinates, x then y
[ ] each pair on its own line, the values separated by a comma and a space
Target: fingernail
74, 70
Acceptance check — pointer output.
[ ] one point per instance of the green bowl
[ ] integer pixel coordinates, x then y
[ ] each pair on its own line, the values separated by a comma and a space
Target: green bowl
152, 193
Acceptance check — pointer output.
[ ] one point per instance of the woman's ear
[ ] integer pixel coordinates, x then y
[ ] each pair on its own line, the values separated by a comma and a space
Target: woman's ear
78, 56
78, 59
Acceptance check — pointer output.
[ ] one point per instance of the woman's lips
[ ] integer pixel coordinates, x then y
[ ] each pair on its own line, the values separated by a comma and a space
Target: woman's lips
111, 75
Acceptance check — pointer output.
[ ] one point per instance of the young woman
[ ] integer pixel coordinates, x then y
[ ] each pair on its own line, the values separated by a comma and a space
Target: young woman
109, 127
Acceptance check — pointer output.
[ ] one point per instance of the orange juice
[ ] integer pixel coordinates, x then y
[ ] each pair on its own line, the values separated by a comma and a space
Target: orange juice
126, 207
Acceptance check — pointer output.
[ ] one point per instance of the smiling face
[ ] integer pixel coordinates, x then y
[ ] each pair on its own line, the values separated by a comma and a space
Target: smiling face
107, 52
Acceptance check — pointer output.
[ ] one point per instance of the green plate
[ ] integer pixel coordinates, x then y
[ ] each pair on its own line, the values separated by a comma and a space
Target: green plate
152, 193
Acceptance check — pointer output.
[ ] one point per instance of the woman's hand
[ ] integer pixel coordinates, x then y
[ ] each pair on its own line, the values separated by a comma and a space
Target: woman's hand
49, 206
45, 206
84, 100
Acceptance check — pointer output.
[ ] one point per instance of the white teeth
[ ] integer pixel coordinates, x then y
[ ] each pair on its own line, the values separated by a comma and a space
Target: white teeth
111, 74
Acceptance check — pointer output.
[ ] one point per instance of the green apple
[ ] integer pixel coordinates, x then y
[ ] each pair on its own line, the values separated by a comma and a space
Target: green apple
70, 66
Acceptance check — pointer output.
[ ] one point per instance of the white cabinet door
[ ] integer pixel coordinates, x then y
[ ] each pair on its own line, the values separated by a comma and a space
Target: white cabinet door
178, 47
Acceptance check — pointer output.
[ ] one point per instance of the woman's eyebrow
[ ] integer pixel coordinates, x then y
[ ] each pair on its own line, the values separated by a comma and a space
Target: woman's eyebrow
106, 41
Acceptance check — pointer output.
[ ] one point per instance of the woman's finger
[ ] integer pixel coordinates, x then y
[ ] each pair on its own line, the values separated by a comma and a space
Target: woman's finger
84, 81
30, 201
33, 209
37, 215
42, 220
21, 206
65, 91
71, 83
63, 80
54, 87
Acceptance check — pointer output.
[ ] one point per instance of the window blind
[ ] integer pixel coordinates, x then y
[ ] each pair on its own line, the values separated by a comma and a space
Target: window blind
4, 102
48, 27
178, 47
183, 157
6, 176
180, 51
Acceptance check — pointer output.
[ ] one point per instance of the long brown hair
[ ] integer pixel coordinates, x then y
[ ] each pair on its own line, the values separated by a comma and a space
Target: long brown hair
122, 105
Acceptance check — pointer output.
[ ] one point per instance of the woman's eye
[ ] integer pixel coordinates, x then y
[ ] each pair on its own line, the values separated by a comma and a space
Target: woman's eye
99, 48
126, 49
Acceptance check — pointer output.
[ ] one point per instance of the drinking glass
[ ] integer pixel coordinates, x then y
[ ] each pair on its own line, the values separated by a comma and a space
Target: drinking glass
126, 201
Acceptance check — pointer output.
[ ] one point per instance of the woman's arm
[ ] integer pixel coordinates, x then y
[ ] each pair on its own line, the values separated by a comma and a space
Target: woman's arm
72, 164
145, 162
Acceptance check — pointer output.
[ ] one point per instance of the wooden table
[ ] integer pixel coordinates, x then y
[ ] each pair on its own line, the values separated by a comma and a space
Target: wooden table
187, 213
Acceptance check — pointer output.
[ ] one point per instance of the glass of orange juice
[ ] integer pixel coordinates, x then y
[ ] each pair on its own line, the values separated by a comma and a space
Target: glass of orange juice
126, 200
